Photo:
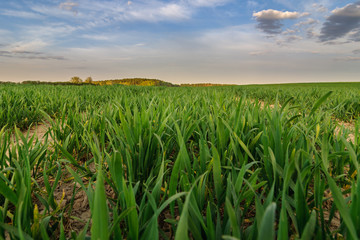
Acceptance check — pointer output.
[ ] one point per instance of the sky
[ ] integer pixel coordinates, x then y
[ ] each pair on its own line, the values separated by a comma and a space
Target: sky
181, 41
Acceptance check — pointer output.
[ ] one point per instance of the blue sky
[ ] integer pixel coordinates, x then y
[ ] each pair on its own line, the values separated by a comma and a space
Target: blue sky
181, 41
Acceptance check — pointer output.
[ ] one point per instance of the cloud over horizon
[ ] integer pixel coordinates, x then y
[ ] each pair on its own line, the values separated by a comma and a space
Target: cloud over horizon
341, 22
269, 21
29, 55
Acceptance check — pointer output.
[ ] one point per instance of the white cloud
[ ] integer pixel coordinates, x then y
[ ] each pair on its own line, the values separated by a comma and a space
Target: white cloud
293, 38
269, 21
49, 31
208, 3
68, 6
311, 33
309, 21
98, 37
95, 13
319, 7
350, 10
157, 13
52, 11
20, 14
271, 14
289, 32
24, 46
174, 11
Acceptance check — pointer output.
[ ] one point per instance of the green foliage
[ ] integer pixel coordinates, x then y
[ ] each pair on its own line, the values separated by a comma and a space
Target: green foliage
88, 80
76, 80
134, 81
200, 163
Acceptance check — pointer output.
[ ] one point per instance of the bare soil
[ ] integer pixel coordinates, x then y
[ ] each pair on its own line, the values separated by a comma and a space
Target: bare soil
39, 130
350, 126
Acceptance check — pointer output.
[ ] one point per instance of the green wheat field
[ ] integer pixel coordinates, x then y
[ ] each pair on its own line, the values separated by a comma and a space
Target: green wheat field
139, 162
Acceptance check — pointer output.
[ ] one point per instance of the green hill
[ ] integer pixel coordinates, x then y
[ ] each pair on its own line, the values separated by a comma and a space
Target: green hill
134, 81
126, 81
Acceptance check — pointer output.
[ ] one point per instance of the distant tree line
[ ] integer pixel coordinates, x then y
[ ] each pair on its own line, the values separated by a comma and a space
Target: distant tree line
7, 82
126, 81
89, 81
135, 81
49, 83
78, 80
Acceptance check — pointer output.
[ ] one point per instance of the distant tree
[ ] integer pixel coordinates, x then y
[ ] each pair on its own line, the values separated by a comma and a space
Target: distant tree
89, 80
76, 80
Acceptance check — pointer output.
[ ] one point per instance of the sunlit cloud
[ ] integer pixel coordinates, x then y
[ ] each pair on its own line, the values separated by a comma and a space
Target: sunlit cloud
342, 21
69, 6
269, 21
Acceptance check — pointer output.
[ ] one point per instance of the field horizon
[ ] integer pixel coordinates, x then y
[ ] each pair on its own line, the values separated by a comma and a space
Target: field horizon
127, 81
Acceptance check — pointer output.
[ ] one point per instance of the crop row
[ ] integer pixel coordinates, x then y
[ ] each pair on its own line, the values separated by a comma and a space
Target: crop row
200, 163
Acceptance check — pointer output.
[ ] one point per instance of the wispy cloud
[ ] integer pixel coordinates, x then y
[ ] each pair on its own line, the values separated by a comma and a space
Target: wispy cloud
293, 38
28, 50
320, 8
208, 3
354, 35
289, 32
348, 59
47, 34
258, 53
124, 11
69, 6
29, 55
341, 22
160, 12
20, 14
30, 46
309, 21
269, 21
99, 13
98, 37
